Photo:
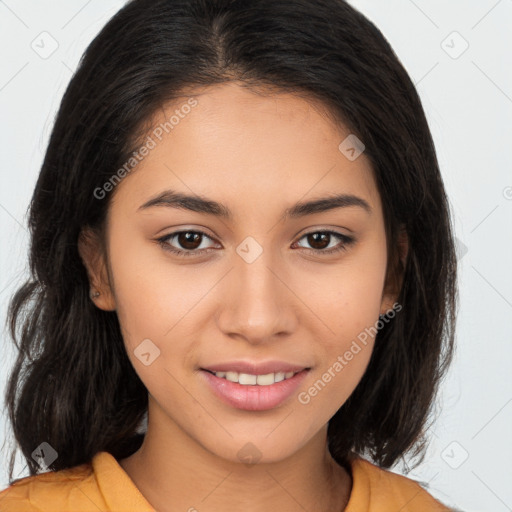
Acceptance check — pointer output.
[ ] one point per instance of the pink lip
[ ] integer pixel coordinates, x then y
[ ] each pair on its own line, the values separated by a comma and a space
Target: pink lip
254, 398
254, 368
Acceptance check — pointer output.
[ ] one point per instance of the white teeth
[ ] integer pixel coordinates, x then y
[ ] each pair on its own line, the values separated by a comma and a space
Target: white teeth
232, 376
248, 379
245, 378
265, 380
279, 376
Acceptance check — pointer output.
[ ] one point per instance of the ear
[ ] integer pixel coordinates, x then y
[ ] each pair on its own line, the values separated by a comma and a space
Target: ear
395, 273
93, 257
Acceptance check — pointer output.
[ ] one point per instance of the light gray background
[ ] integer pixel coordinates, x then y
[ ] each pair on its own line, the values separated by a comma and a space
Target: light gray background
468, 101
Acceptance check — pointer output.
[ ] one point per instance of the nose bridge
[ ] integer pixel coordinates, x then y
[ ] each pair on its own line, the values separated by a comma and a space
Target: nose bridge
257, 278
257, 303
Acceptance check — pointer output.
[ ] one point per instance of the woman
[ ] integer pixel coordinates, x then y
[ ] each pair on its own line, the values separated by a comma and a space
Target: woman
243, 284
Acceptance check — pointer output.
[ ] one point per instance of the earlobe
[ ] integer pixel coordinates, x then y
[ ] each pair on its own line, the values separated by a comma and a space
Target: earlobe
92, 256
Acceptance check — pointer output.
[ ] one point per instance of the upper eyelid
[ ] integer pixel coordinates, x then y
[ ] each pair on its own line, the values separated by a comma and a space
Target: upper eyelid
203, 233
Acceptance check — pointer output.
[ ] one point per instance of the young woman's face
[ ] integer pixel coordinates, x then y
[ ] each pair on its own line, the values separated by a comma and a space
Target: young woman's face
259, 286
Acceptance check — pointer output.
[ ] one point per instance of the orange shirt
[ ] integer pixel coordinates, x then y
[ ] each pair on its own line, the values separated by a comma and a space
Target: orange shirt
103, 485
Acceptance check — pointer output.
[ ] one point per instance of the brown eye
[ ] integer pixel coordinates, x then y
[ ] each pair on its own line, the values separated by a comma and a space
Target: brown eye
321, 240
189, 239
318, 240
186, 243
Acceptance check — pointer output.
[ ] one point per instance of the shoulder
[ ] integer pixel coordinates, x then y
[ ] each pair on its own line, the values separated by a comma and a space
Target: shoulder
100, 484
378, 489
75, 487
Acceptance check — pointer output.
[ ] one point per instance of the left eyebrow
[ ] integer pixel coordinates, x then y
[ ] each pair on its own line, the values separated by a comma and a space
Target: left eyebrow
196, 203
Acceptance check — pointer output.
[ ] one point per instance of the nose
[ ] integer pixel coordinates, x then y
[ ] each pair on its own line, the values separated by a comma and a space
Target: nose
258, 303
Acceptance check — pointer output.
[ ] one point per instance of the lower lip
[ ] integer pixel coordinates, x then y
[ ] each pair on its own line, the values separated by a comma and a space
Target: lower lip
254, 398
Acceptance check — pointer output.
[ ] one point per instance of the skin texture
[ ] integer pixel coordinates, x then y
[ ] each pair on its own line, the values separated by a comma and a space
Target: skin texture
257, 156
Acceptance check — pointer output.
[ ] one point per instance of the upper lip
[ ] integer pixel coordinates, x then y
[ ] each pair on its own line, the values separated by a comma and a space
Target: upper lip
255, 368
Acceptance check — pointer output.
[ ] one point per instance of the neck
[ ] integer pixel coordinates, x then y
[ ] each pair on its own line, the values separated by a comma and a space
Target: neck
174, 472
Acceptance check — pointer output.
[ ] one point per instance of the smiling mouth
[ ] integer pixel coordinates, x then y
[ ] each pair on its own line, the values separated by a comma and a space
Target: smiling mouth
248, 379
254, 392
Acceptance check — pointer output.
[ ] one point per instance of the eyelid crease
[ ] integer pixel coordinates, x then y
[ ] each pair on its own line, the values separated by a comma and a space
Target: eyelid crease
345, 241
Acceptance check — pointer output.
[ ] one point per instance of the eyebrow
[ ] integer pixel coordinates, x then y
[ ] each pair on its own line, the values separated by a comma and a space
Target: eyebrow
200, 204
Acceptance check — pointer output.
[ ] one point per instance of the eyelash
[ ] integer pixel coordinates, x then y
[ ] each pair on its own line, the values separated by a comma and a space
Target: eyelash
164, 243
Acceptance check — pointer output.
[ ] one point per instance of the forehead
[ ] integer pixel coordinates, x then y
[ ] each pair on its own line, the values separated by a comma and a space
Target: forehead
244, 147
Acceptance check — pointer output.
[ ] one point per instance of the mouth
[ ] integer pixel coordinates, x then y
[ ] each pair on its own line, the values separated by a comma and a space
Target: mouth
253, 391
250, 379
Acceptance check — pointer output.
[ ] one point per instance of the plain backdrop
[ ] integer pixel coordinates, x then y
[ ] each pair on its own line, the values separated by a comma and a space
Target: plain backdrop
459, 56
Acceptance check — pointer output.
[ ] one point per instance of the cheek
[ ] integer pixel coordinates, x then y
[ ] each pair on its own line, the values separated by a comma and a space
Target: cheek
151, 294
342, 362
347, 301
159, 306
347, 295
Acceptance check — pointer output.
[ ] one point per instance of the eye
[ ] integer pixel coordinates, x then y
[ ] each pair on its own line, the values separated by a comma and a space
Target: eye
190, 242
321, 239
